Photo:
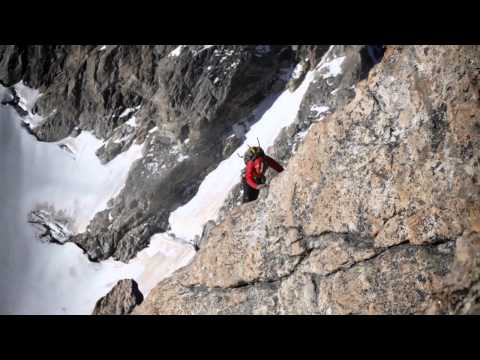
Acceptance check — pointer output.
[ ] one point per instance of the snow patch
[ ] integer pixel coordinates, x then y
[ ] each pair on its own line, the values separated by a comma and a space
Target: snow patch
318, 109
176, 52
182, 157
332, 68
160, 259
86, 185
27, 96
152, 130
297, 71
129, 111
27, 99
103, 47
132, 122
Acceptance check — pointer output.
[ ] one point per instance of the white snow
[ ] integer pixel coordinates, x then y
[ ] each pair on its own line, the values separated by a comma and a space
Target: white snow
297, 72
128, 111
132, 122
176, 52
95, 183
304, 133
187, 221
28, 96
43, 278
152, 130
182, 157
332, 68
160, 259
318, 109
27, 99
103, 47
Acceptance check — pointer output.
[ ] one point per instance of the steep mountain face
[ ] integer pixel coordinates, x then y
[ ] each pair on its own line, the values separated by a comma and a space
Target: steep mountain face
330, 91
181, 102
377, 211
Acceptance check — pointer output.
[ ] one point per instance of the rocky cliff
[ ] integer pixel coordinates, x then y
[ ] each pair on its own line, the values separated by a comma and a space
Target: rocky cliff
378, 209
377, 212
182, 102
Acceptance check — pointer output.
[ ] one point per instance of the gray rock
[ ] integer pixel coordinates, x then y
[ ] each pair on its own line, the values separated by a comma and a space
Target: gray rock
121, 300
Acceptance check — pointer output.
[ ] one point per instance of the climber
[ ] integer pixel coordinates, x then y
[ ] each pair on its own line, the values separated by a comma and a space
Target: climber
253, 176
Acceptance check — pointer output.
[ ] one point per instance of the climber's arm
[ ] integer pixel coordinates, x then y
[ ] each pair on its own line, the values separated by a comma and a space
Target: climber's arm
272, 163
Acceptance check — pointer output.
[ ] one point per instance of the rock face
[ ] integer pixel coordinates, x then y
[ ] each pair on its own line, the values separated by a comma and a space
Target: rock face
181, 102
121, 300
324, 96
378, 210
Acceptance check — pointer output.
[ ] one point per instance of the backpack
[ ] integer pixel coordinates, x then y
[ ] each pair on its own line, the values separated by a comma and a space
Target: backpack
252, 153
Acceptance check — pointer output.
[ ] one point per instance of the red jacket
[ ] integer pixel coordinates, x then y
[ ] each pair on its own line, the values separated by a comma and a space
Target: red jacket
256, 169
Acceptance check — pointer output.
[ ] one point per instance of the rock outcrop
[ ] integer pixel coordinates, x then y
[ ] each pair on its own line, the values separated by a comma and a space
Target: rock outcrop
121, 300
378, 210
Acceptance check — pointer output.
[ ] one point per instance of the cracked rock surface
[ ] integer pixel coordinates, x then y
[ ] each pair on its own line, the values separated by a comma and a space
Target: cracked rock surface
377, 212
